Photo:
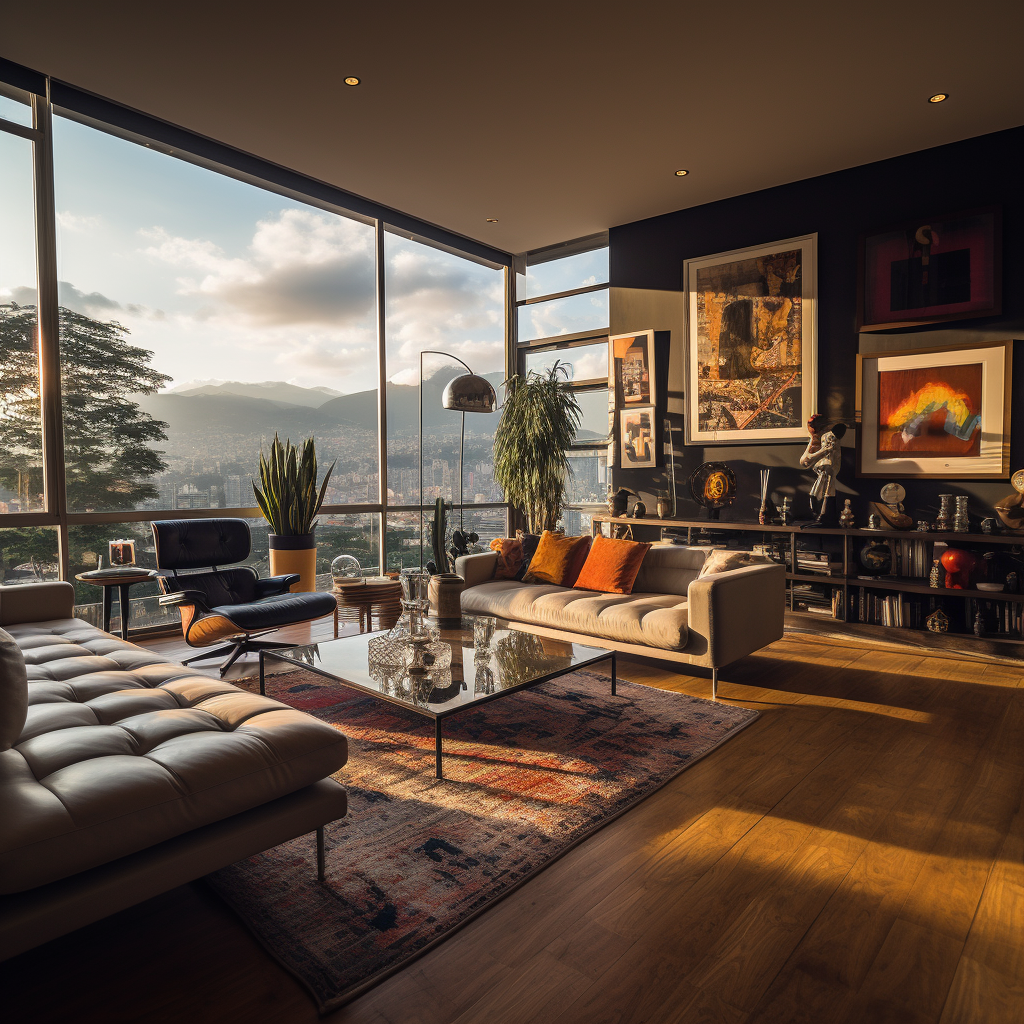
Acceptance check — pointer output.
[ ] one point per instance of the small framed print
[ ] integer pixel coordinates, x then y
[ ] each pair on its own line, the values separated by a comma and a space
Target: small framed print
937, 413
637, 449
929, 270
631, 368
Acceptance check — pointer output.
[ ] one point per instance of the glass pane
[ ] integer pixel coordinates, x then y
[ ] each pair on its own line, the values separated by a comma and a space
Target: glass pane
14, 106
199, 316
563, 275
355, 535
594, 425
588, 481
28, 555
21, 437
572, 315
403, 540
586, 362
440, 302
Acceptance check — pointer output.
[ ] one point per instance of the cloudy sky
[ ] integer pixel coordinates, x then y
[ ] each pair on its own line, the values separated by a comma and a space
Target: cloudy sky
228, 281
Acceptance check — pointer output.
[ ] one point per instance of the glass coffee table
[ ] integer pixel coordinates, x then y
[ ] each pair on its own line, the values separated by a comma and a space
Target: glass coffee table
514, 660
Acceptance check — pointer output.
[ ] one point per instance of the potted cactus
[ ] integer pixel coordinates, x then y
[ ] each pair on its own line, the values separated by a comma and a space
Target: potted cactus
290, 501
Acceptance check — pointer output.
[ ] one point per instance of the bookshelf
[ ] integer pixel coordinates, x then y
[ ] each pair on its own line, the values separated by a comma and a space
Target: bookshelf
827, 585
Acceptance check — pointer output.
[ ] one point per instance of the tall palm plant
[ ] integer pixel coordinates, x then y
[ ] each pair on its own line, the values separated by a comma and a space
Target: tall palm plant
538, 424
289, 499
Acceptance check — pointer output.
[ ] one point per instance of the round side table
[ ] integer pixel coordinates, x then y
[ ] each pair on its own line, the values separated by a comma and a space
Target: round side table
380, 597
123, 581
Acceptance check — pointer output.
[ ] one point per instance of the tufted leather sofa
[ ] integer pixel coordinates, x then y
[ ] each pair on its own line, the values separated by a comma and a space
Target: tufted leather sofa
123, 775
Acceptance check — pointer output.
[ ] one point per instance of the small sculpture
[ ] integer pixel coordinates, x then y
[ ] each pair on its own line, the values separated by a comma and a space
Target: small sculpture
824, 456
938, 621
786, 512
979, 625
639, 510
988, 525
846, 517
923, 526
961, 524
958, 564
874, 522
944, 520
1011, 508
892, 508
935, 575
664, 505
1012, 583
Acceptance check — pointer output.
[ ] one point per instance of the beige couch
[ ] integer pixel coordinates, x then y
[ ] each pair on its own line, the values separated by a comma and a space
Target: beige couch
123, 775
711, 621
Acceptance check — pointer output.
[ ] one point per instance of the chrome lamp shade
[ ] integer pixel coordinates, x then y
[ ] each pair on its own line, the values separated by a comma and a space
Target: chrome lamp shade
469, 393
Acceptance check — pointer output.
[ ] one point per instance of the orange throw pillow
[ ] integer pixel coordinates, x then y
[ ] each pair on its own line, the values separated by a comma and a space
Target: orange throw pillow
558, 559
612, 565
510, 557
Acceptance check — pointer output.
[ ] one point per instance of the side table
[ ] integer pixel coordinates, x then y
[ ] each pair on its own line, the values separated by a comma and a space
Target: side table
382, 597
123, 581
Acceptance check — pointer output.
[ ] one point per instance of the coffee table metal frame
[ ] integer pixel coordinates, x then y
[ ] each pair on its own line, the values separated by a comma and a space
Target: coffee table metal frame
437, 716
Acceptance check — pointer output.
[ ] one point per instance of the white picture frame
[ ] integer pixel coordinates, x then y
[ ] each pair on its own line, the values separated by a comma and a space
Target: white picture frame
757, 388
638, 437
631, 368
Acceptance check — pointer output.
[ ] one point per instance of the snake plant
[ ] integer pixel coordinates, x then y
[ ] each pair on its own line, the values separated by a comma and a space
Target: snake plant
289, 499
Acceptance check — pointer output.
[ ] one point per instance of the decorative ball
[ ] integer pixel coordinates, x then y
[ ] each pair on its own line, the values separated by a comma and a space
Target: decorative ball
345, 567
959, 564
876, 558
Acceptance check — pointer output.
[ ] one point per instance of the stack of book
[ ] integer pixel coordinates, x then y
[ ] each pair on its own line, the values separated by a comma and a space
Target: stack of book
807, 598
819, 563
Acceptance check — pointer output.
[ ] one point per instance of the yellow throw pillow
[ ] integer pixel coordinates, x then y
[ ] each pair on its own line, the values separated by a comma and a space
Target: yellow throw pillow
558, 560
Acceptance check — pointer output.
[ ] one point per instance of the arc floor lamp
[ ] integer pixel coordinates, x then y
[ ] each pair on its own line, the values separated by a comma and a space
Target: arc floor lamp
469, 392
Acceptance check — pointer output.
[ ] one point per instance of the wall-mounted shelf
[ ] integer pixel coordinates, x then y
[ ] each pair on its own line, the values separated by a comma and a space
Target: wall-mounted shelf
859, 594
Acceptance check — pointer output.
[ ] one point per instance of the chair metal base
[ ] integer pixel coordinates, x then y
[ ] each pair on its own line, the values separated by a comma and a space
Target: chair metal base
236, 649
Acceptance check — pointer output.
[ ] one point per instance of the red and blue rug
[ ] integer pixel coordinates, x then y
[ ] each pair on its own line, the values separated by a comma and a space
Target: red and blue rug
527, 778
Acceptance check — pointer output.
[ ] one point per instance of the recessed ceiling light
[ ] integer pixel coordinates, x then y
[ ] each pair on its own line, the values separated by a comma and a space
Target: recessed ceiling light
938, 97
351, 80
492, 220
681, 173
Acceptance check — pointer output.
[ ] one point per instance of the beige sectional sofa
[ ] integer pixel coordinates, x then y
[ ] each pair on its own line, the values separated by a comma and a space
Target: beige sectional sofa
709, 621
123, 775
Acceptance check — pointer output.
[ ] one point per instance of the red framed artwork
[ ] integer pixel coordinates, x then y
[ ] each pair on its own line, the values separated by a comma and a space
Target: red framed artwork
945, 268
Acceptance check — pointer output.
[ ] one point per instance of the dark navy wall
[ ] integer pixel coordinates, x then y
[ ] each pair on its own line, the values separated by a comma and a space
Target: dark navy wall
648, 255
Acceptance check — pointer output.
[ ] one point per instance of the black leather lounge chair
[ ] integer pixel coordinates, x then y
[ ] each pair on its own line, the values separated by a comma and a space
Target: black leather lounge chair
231, 604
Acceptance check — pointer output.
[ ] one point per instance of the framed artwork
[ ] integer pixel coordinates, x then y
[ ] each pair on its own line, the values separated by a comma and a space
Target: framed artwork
751, 343
637, 448
946, 268
631, 367
939, 413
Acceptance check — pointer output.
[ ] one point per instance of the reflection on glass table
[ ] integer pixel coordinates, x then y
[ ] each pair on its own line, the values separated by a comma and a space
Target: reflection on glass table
513, 660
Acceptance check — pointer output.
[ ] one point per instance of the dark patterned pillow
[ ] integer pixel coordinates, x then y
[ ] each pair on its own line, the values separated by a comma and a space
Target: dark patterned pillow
530, 542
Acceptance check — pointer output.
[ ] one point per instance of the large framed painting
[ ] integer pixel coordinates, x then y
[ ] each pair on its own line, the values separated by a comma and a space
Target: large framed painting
637, 444
945, 268
751, 343
939, 413
631, 367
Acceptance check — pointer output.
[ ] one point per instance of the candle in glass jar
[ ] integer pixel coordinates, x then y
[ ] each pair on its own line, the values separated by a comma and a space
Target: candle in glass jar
122, 552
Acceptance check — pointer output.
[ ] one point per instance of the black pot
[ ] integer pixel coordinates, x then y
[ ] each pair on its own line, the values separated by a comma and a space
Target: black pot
292, 541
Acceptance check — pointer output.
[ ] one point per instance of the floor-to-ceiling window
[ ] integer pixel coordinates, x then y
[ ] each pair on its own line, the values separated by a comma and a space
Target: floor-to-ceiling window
562, 316
196, 314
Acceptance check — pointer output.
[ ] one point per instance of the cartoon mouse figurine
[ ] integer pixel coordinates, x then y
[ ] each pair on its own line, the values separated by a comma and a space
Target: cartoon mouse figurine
824, 456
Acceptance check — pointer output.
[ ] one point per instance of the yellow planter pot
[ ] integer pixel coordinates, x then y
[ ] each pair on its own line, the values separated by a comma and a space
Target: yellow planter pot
293, 559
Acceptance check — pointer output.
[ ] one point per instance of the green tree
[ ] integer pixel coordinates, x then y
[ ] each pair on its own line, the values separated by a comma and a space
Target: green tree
109, 461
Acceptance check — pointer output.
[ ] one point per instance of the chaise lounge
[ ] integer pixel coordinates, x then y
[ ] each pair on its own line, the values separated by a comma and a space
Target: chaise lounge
123, 776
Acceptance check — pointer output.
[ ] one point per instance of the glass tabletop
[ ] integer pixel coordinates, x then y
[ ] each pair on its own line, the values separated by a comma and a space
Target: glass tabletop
513, 660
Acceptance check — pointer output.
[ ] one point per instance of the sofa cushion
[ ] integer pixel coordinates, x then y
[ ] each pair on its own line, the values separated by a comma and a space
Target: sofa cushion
510, 564
13, 691
558, 560
653, 620
121, 750
669, 569
612, 565
724, 561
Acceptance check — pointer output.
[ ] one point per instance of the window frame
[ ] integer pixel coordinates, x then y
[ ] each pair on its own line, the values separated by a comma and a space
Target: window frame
262, 174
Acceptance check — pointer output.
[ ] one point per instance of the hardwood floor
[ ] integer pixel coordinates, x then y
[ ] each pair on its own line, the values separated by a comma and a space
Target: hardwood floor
855, 855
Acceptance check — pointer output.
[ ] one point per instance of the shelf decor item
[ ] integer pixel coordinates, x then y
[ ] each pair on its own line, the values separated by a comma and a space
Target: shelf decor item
935, 413
346, 570
876, 557
713, 486
824, 456
122, 552
631, 372
959, 564
751, 343
763, 513
935, 575
1011, 508
945, 268
290, 501
846, 517
961, 523
944, 520
664, 505
937, 622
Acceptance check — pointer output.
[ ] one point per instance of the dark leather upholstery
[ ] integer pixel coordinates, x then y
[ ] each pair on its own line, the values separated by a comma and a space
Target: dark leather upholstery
13, 691
282, 610
201, 543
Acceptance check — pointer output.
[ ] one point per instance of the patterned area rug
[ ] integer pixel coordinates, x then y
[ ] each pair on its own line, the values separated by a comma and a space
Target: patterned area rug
527, 778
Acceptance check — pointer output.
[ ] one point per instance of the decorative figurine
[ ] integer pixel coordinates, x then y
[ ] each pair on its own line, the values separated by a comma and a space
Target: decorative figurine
1012, 583
876, 557
961, 524
944, 520
786, 512
664, 505
935, 575
938, 621
988, 525
824, 456
874, 522
846, 517
1011, 508
923, 526
892, 510
958, 564
639, 510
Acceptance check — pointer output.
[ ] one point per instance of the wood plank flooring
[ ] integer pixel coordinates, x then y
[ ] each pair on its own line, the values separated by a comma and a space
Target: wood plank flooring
855, 855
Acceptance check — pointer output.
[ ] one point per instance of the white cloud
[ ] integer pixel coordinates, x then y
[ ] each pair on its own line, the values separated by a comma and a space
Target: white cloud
78, 223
